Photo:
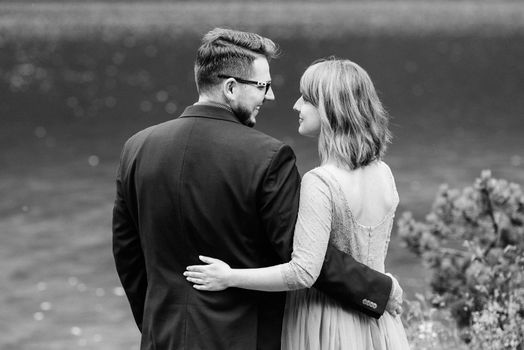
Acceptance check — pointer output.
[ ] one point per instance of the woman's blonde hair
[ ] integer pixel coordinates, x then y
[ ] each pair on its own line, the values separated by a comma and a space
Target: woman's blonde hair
354, 125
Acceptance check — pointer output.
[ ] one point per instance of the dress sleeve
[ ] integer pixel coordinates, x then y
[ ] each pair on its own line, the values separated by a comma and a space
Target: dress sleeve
312, 232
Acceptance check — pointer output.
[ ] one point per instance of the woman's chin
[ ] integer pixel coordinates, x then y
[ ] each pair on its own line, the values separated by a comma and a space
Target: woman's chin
307, 133
301, 132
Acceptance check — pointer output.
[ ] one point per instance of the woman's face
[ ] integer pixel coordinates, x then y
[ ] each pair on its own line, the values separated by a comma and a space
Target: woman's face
308, 118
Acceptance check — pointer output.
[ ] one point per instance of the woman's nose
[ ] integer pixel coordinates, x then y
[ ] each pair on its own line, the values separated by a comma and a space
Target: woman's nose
298, 104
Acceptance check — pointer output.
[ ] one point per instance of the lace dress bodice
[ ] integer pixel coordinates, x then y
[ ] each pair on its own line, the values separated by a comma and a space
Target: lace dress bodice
313, 321
367, 244
325, 217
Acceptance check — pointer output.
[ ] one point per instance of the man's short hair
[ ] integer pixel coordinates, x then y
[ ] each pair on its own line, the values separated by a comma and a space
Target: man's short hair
229, 52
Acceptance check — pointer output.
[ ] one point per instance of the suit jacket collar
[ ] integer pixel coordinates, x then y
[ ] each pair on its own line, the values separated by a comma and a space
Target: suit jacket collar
212, 111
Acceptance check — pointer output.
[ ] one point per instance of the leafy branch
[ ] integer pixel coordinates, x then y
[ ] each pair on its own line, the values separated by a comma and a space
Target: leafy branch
482, 284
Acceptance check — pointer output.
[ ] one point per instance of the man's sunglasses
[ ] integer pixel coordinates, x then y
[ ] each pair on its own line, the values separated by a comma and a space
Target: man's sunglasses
259, 84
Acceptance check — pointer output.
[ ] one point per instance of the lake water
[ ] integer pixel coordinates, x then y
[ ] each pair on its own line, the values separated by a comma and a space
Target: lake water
457, 107
456, 104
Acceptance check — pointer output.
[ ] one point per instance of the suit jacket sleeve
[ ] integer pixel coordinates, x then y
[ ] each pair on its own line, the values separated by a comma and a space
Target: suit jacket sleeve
354, 285
127, 249
278, 201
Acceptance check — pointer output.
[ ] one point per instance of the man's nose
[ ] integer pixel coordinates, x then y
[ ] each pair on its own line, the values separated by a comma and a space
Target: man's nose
270, 96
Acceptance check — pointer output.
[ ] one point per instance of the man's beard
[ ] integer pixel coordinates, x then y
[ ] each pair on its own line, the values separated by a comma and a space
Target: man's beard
245, 116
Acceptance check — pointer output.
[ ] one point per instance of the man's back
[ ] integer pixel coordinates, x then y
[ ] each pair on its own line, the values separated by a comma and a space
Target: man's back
205, 184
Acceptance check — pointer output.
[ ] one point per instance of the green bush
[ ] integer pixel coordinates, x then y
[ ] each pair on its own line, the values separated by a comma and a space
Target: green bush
473, 243
427, 327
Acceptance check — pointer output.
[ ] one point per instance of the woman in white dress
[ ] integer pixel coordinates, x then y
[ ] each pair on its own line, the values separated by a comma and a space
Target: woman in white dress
350, 201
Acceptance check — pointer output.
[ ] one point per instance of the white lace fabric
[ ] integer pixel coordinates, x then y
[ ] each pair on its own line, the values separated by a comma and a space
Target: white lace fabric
325, 217
313, 321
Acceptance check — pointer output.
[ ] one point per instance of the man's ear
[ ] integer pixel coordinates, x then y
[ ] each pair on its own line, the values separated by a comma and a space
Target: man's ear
229, 89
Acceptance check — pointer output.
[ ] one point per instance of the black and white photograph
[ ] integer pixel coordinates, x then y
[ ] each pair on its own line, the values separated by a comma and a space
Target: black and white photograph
261, 175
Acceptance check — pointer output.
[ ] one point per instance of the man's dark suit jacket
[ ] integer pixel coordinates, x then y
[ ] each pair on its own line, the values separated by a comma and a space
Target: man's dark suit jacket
206, 184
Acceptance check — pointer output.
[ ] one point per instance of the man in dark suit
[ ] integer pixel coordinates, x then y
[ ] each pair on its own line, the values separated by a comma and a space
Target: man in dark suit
207, 183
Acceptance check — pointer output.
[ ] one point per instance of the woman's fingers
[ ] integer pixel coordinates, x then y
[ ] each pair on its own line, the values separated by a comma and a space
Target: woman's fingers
199, 287
195, 280
202, 268
203, 287
197, 268
194, 274
208, 277
208, 260
202, 284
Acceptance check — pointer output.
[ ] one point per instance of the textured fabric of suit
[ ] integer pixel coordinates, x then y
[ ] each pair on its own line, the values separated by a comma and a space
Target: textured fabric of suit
205, 184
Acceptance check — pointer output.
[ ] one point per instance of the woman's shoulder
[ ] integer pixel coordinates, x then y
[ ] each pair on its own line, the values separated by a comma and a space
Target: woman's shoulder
352, 180
384, 165
321, 178
316, 187
320, 173
316, 177
387, 170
